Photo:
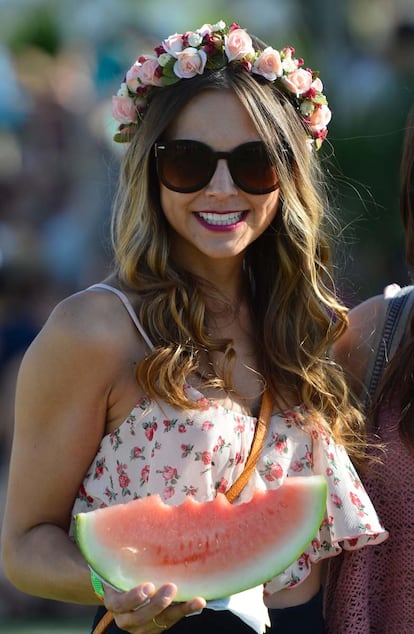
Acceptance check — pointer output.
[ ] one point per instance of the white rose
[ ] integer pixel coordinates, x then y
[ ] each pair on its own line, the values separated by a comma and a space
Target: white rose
194, 39
164, 58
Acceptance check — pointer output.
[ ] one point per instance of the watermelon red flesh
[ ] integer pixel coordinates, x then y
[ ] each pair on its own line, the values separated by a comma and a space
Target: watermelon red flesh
209, 549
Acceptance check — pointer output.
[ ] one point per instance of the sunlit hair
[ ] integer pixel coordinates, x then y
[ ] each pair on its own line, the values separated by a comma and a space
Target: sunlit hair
297, 315
397, 385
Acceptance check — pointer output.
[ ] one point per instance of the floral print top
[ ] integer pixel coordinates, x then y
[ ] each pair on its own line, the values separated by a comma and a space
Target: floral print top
160, 449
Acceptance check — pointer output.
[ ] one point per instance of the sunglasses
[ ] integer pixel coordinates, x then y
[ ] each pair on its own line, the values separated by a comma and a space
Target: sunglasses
187, 166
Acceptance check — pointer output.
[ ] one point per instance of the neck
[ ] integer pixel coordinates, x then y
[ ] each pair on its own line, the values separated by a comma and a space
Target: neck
221, 279
226, 294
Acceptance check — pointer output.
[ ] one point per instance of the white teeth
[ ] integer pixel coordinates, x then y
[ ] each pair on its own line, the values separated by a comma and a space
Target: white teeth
221, 219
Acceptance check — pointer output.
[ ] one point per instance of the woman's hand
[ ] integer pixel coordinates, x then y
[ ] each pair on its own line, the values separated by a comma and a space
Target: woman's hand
143, 610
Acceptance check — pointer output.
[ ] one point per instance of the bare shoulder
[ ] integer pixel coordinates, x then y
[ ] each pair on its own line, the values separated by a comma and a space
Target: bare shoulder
354, 349
91, 320
89, 346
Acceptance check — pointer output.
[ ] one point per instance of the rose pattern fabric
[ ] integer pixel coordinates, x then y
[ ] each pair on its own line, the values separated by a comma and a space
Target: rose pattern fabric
198, 453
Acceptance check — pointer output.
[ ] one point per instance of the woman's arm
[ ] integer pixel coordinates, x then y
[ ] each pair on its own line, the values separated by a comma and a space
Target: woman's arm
63, 389
354, 349
76, 383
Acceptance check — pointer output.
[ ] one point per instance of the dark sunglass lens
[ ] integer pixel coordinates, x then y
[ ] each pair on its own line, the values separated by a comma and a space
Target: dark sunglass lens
253, 170
183, 165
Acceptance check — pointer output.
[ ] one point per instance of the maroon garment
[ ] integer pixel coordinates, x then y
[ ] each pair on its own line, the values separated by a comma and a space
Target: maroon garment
371, 591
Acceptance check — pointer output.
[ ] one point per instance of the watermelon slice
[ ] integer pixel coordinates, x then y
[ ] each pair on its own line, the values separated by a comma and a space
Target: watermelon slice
208, 549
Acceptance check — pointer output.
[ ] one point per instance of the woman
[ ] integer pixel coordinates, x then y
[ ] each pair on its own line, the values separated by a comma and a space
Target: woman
370, 591
222, 291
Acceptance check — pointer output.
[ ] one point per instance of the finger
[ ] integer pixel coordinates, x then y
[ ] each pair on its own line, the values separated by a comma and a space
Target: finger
121, 602
129, 618
176, 611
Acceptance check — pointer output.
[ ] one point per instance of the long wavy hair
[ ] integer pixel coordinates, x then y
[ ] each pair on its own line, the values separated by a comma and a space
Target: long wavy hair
296, 312
397, 384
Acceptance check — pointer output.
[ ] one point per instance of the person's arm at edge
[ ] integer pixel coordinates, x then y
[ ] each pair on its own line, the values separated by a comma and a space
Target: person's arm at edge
354, 348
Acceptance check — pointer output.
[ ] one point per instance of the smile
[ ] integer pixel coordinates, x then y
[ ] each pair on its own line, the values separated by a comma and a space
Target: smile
222, 219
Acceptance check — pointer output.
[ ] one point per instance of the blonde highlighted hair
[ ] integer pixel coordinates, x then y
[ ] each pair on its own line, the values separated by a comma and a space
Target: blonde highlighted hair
297, 314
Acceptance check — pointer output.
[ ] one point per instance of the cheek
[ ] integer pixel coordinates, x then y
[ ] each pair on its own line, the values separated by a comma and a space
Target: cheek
175, 206
164, 196
270, 206
168, 203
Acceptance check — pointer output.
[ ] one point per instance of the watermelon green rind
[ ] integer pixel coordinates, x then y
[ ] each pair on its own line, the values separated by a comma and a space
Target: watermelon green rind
211, 549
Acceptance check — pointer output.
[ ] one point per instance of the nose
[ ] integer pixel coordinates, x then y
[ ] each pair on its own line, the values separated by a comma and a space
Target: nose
221, 183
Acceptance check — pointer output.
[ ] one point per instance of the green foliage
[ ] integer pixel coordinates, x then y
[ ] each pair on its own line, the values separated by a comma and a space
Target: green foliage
40, 30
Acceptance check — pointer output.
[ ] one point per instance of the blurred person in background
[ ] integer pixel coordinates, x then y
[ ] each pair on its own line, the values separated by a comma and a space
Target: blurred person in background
54, 198
221, 301
372, 591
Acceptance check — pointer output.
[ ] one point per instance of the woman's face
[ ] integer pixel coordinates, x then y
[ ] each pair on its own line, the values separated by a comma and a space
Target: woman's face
220, 220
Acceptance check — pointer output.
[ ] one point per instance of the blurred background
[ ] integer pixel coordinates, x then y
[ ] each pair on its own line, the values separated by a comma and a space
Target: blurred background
60, 62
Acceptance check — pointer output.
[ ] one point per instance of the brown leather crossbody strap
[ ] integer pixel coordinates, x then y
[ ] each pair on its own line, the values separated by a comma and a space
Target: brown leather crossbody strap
237, 486
257, 444
104, 623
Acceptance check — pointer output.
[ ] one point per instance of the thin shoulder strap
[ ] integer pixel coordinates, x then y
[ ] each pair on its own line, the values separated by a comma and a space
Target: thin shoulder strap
124, 299
394, 326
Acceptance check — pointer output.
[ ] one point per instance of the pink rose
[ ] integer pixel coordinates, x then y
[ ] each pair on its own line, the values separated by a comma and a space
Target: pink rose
320, 118
145, 473
275, 473
317, 85
303, 561
147, 71
239, 427
222, 485
98, 472
336, 500
203, 403
190, 62
269, 64
132, 77
281, 446
239, 457
124, 481
355, 500
173, 44
206, 457
204, 30
238, 44
168, 493
123, 109
296, 466
169, 473
298, 82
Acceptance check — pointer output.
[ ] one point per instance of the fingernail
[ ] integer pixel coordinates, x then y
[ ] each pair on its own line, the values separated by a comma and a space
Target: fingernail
147, 590
168, 593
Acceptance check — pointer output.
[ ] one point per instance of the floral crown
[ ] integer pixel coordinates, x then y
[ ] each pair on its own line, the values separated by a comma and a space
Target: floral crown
211, 47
